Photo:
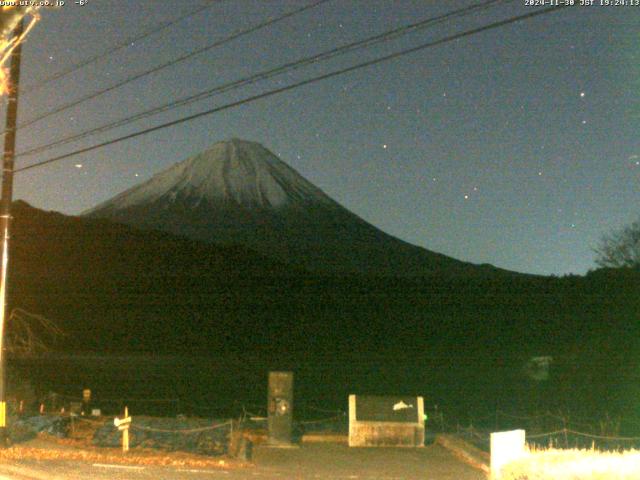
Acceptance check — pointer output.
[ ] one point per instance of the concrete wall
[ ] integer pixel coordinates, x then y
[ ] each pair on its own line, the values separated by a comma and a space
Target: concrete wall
385, 434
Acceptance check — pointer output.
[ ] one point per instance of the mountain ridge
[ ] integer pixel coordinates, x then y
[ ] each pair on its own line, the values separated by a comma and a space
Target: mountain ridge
238, 192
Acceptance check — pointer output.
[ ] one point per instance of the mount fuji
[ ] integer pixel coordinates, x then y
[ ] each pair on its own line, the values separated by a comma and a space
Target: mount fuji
238, 192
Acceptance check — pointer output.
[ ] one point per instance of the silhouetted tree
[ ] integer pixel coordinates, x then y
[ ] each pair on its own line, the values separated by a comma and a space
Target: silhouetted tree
620, 248
30, 334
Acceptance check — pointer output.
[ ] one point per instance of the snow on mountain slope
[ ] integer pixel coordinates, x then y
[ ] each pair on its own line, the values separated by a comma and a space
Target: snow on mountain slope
240, 172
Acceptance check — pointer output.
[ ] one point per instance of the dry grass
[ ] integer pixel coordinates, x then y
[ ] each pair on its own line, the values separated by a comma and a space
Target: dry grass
574, 464
46, 447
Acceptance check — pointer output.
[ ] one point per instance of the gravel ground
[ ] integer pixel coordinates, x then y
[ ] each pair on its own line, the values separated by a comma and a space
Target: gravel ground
333, 461
317, 461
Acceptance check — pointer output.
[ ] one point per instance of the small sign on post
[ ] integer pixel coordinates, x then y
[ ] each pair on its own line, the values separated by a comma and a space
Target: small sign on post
123, 425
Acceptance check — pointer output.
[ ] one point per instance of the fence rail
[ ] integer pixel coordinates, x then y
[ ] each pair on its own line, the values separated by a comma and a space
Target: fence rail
557, 427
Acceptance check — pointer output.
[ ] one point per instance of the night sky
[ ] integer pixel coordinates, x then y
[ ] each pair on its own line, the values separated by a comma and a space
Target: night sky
517, 146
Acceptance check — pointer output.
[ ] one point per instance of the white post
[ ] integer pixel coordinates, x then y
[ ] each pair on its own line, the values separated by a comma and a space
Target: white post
505, 447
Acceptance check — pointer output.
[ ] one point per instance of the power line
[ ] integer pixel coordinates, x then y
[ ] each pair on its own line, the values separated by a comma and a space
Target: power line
309, 81
171, 63
288, 67
124, 44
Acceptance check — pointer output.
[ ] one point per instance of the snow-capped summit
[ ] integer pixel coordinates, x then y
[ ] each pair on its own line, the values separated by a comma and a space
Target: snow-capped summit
233, 172
238, 192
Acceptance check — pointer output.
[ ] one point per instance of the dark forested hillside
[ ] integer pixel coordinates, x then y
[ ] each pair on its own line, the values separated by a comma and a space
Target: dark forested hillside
112, 288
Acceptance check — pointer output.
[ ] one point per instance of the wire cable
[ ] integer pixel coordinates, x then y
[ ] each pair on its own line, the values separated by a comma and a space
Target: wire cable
309, 81
170, 63
285, 68
185, 431
116, 48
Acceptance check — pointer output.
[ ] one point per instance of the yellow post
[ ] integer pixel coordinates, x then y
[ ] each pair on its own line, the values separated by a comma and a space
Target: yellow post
125, 433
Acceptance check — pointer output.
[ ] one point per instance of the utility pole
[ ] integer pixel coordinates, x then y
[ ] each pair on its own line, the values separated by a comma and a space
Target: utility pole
5, 217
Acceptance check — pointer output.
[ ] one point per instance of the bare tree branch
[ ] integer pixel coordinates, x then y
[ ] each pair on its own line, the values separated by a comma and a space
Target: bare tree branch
620, 248
29, 334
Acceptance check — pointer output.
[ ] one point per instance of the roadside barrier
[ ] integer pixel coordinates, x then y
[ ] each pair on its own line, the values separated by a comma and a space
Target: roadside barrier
182, 431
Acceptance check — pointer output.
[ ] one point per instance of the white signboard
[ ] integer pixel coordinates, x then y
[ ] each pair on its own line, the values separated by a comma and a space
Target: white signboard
122, 424
505, 447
